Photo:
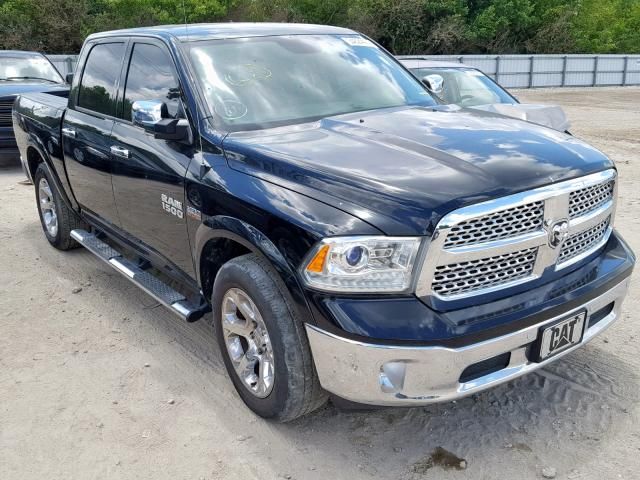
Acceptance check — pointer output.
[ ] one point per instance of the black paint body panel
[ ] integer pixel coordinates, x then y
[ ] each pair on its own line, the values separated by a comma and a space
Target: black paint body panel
277, 192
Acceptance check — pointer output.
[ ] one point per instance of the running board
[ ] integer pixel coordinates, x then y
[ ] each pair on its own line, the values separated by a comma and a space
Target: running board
163, 293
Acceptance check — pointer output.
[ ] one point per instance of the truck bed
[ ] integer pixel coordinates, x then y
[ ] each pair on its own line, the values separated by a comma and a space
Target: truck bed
40, 115
51, 100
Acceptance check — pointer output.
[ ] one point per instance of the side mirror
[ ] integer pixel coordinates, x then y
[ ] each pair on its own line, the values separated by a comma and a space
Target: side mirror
146, 113
176, 129
434, 83
68, 78
153, 116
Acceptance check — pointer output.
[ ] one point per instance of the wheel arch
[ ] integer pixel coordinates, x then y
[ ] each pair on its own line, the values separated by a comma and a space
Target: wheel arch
221, 238
34, 158
37, 154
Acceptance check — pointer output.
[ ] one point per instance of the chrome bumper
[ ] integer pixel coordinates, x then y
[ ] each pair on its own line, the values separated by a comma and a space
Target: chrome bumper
396, 375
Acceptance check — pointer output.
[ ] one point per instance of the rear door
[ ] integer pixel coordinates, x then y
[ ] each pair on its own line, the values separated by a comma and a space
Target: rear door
87, 126
148, 173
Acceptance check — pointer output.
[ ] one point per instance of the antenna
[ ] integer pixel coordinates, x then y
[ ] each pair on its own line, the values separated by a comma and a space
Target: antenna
186, 25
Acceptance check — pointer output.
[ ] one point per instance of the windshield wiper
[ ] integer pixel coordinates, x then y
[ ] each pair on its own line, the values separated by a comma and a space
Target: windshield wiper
29, 78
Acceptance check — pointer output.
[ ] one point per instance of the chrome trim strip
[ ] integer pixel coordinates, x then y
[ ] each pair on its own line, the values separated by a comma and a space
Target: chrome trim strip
492, 249
396, 375
556, 208
542, 193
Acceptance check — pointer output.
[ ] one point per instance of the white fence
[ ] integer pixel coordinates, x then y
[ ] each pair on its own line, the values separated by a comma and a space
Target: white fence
519, 71
528, 71
64, 63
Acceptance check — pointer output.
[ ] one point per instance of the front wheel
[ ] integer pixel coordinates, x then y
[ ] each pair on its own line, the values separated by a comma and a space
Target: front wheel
263, 343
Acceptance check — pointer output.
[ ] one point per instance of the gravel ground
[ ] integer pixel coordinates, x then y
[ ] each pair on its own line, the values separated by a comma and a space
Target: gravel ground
104, 383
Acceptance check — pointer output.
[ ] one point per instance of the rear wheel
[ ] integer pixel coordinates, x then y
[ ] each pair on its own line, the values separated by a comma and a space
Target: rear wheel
56, 217
263, 343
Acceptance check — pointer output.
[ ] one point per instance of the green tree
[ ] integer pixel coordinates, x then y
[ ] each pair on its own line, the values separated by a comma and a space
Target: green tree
607, 27
403, 26
113, 14
55, 26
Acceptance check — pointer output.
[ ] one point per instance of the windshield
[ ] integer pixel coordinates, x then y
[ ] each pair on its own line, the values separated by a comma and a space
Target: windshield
466, 87
261, 82
35, 67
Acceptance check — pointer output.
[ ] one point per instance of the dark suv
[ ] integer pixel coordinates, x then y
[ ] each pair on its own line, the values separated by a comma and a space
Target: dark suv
23, 72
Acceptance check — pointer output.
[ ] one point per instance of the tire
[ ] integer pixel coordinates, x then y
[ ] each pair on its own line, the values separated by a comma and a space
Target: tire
295, 389
49, 201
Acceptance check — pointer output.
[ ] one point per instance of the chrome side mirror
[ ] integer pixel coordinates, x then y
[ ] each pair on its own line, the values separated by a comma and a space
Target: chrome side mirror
146, 113
153, 116
434, 83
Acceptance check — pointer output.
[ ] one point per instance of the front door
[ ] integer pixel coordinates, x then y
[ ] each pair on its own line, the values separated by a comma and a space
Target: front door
87, 129
148, 173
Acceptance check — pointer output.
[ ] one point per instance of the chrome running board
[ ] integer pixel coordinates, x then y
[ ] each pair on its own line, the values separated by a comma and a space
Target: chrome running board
163, 293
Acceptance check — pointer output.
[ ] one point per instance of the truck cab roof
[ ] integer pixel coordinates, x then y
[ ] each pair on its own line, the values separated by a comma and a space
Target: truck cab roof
212, 31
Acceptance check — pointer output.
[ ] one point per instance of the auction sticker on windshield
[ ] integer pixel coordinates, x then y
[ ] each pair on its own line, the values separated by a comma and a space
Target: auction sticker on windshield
358, 41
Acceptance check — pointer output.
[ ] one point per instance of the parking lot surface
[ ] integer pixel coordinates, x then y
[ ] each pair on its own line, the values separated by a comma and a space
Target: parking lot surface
97, 381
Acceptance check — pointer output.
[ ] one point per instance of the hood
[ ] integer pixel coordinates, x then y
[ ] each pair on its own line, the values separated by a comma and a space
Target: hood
15, 88
551, 116
402, 169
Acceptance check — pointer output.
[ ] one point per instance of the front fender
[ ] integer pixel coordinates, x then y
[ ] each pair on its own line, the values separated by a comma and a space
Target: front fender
255, 241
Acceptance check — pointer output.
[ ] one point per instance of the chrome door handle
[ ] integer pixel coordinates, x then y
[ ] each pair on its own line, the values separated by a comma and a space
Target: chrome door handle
68, 132
119, 151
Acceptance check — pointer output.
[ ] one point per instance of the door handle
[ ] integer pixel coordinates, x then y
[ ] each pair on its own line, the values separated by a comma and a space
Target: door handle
119, 151
68, 132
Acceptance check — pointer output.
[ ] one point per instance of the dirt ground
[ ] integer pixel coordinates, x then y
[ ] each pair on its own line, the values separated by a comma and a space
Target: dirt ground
106, 384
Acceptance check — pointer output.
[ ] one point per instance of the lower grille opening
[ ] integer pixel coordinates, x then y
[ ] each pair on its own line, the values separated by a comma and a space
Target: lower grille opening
600, 314
485, 367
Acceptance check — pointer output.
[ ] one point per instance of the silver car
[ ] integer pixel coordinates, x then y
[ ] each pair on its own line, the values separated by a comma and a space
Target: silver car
466, 86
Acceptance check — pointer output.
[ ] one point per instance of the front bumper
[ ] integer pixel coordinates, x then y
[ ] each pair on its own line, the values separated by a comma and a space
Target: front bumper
390, 375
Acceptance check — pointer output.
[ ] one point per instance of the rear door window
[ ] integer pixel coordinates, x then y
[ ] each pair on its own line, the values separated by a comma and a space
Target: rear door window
151, 77
98, 86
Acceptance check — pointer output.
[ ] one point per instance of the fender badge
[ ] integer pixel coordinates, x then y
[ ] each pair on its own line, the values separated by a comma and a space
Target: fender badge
194, 213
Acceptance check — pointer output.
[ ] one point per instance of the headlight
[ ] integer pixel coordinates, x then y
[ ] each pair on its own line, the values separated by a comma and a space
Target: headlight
361, 264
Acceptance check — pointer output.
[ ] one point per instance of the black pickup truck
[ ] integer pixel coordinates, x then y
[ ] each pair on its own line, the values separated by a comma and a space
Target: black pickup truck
350, 235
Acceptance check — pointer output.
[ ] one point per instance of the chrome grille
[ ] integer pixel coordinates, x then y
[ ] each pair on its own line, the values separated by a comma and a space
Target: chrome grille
583, 241
506, 223
511, 240
5, 112
485, 273
588, 199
